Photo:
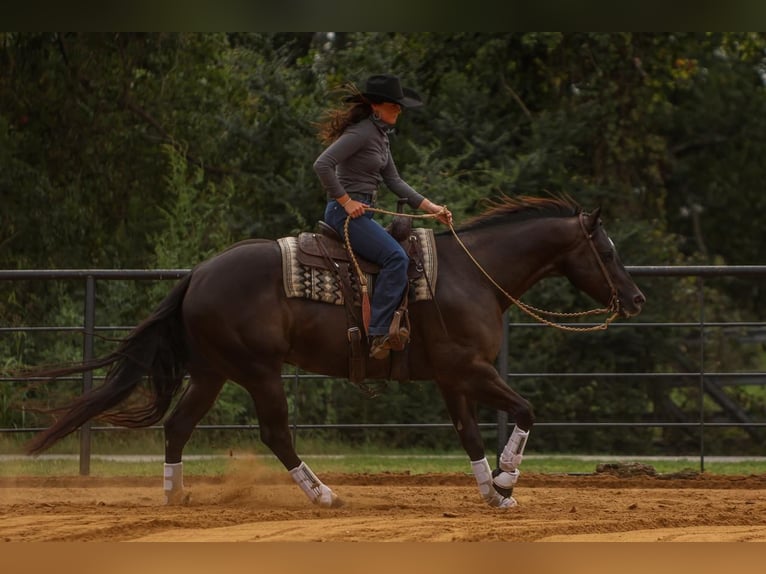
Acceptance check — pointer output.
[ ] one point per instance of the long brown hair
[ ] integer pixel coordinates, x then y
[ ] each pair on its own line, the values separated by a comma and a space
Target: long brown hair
354, 108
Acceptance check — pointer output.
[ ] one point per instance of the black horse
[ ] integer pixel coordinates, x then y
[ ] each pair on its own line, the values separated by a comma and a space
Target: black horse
230, 319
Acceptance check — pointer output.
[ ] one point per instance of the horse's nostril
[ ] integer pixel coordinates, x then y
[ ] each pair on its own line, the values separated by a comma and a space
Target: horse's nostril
639, 299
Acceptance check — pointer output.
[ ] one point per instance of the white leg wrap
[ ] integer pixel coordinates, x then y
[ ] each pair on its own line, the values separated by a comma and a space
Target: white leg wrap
483, 474
513, 453
314, 488
506, 479
173, 483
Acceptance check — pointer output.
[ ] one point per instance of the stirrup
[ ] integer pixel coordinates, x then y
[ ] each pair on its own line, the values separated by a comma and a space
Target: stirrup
398, 341
399, 331
380, 347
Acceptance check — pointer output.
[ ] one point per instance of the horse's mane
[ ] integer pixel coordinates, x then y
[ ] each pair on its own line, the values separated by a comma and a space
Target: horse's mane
522, 208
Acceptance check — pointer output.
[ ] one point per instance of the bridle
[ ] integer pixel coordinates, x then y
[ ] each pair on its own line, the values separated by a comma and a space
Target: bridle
614, 301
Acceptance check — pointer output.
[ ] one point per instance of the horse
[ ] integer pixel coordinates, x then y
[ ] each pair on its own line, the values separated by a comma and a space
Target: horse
230, 319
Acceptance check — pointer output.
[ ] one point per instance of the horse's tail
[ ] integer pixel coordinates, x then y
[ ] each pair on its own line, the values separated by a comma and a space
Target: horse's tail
155, 350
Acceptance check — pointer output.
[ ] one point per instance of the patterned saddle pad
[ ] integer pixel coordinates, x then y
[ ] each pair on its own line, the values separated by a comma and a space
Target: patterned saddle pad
315, 282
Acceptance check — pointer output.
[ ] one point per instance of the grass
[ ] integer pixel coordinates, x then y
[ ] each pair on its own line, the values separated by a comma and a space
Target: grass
323, 455
413, 463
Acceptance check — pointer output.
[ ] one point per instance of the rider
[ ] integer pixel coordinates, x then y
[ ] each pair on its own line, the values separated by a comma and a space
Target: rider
350, 169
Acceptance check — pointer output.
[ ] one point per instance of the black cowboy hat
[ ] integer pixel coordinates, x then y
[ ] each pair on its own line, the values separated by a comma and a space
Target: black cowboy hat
386, 88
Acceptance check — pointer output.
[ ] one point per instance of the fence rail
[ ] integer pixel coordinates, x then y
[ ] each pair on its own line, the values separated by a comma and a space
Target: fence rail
89, 328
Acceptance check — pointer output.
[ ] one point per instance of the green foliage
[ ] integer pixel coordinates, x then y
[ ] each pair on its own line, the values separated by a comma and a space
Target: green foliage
196, 225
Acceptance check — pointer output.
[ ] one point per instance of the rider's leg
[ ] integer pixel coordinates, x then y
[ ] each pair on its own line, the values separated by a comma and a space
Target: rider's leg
372, 242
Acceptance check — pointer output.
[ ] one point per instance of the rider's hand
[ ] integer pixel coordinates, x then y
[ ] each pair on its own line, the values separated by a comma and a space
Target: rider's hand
354, 208
440, 211
444, 215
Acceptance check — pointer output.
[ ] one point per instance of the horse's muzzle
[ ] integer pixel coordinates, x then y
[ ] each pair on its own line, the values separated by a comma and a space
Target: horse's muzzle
631, 306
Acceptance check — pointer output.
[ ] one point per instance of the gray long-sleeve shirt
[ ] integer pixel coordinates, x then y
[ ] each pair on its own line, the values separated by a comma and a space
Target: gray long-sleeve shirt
358, 161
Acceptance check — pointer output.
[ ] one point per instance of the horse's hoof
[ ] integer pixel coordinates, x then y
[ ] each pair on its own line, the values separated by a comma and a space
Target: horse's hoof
501, 484
180, 498
509, 502
334, 502
496, 500
328, 499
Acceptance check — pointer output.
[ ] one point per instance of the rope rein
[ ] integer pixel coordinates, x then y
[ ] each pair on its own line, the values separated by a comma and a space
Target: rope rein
532, 311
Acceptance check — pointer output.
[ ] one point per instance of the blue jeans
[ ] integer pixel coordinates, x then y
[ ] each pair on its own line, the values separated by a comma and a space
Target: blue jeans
372, 242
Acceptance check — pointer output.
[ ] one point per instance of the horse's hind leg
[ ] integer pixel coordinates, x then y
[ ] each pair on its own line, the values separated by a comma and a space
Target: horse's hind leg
462, 411
195, 402
271, 407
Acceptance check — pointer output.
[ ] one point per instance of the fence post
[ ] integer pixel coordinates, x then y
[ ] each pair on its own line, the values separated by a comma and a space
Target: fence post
87, 378
701, 300
294, 417
502, 368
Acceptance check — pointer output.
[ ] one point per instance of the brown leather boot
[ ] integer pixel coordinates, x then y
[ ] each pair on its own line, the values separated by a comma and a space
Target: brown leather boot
380, 347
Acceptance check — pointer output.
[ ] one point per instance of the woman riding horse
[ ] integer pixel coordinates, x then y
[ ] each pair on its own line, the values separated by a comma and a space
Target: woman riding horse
229, 319
357, 159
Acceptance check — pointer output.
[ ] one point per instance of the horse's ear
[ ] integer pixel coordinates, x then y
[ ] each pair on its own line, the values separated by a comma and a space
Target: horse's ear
593, 219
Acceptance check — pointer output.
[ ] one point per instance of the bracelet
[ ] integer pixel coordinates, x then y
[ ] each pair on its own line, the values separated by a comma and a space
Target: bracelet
343, 204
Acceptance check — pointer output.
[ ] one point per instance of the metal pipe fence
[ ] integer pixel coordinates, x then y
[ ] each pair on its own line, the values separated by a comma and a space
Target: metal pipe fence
90, 328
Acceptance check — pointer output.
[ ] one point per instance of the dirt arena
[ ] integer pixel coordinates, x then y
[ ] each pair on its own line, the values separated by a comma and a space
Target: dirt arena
265, 506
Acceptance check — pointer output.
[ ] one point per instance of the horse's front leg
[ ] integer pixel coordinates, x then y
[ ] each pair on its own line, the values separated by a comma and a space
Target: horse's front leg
505, 477
463, 415
488, 388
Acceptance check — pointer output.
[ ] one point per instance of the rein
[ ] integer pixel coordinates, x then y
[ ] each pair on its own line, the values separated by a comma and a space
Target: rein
534, 312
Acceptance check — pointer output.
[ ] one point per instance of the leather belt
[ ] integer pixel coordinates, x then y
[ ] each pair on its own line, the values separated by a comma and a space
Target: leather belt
366, 197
